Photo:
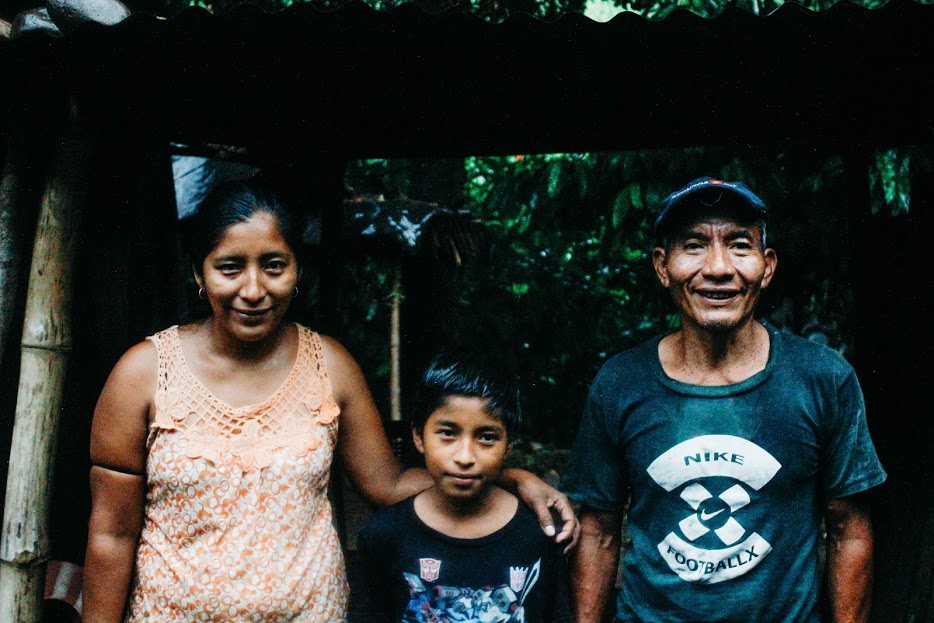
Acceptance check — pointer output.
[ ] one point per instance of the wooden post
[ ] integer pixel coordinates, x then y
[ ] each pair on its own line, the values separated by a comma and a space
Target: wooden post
28, 130
24, 546
395, 347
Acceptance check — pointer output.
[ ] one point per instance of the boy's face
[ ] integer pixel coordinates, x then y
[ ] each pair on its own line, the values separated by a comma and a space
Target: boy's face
464, 447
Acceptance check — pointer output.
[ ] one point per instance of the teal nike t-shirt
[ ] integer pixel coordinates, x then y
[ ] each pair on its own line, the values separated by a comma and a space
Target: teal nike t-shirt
728, 482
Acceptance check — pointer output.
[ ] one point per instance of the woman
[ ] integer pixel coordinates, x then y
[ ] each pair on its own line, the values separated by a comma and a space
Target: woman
212, 443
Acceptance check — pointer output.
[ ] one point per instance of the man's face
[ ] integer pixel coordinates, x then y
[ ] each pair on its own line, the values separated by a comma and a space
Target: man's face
715, 269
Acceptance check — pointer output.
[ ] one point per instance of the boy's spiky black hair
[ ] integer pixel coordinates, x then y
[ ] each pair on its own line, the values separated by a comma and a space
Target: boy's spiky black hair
463, 372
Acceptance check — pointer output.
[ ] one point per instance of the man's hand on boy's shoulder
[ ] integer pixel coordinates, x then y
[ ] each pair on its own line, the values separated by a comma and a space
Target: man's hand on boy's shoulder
545, 501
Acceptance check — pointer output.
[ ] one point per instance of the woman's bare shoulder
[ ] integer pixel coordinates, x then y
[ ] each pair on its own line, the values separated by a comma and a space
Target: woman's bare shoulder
346, 376
336, 356
121, 416
139, 362
332, 346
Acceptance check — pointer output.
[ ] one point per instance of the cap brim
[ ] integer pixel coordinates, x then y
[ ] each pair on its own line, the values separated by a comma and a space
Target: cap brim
710, 197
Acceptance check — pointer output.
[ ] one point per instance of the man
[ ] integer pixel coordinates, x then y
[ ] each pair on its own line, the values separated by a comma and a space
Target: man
733, 439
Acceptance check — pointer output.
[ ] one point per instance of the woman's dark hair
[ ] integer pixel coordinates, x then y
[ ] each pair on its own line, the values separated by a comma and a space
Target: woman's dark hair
467, 373
234, 202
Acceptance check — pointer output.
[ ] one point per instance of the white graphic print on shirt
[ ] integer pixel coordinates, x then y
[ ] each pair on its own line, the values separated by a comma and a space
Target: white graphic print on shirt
747, 468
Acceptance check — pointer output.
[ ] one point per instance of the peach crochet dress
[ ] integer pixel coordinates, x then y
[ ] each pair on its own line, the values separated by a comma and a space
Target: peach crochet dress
238, 525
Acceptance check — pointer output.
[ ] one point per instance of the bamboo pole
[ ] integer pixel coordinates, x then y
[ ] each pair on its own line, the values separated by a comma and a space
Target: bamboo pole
24, 546
395, 346
28, 137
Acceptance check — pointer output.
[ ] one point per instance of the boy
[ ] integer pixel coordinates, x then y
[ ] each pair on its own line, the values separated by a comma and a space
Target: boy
463, 550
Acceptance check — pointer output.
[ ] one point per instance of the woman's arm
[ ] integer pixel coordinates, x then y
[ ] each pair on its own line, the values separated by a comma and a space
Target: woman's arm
118, 488
362, 442
373, 467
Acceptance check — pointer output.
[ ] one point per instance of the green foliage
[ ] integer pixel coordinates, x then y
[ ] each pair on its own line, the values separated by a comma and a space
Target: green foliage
890, 182
660, 9
570, 282
364, 321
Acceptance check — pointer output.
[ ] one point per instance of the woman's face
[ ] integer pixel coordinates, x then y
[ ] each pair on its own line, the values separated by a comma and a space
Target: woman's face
249, 278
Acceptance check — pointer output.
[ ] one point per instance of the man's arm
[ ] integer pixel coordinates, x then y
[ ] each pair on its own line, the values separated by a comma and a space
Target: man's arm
849, 559
594, 563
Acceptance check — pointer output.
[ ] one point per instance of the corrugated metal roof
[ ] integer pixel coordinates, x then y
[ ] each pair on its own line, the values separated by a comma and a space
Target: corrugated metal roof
361, 82
494, 11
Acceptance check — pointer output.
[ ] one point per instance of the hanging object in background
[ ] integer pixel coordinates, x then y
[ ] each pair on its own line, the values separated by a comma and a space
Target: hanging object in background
69, 14
60, 17
34, 20
426, 231
196, 175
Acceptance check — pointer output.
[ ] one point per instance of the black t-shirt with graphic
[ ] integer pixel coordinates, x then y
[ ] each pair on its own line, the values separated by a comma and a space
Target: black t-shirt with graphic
411, 573
727, 482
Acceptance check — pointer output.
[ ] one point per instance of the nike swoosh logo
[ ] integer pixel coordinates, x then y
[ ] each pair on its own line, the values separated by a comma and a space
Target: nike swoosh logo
704, 516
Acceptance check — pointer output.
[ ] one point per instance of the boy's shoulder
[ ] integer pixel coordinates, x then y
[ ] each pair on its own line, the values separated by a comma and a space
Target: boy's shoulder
393, 521
526, 523
521, 532
387, 520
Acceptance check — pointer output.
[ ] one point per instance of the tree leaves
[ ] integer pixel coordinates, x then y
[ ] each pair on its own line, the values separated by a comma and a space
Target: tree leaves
890, 181
570, 281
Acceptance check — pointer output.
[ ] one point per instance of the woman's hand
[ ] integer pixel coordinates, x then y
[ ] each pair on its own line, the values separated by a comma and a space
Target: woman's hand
545, 500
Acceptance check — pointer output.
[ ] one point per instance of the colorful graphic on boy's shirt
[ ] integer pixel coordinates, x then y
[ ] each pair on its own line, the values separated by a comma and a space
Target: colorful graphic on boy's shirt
701, 465
456, 604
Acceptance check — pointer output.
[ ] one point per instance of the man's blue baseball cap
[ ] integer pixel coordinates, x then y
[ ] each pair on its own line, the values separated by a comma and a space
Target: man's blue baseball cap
709, 192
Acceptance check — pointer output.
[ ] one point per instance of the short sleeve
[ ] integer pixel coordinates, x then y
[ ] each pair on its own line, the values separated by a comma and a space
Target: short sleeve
595, 476
370, 584
849, 464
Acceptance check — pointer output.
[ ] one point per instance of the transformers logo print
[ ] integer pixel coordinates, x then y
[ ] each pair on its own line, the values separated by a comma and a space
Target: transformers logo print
429, 568
517, 577
459, 604
700, 463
